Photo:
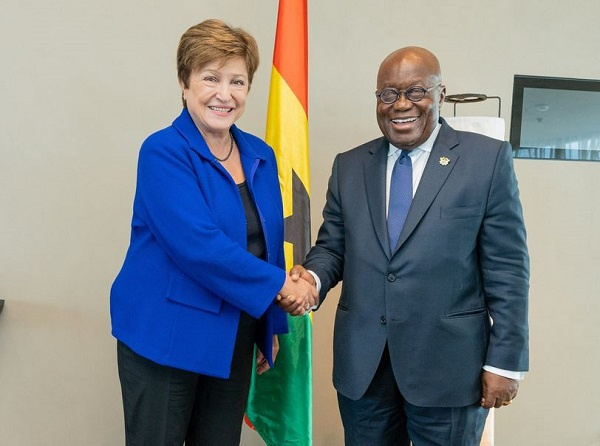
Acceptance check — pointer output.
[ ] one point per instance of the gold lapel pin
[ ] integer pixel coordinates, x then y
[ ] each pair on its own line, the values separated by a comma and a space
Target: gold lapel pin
444, 161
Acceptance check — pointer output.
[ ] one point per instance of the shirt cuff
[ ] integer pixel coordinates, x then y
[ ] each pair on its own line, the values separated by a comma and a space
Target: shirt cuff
506, 373
318, 286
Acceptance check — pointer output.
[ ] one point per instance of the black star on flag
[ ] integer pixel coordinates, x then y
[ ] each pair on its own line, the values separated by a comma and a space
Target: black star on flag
297, 225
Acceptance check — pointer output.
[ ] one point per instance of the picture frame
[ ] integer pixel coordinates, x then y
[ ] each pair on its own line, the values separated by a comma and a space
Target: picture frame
555, 118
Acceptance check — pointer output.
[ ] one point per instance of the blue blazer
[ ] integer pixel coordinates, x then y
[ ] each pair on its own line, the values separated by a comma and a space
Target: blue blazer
187, 273
461, 258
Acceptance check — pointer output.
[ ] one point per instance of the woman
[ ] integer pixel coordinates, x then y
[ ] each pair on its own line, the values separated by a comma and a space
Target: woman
205, 261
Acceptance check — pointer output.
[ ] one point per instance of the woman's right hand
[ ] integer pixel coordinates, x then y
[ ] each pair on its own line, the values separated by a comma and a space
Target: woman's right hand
296, 297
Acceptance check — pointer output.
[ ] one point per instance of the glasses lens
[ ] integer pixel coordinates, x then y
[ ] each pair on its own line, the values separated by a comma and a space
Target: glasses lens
388, 96
415, 94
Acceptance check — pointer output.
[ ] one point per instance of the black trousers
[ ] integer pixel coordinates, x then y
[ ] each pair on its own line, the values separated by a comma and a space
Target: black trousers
166, 406
383, 417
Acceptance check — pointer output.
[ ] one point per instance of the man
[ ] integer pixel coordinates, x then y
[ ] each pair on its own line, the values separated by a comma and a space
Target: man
416, 357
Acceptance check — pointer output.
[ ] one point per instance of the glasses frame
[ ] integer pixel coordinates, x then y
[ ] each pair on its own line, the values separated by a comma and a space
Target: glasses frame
399, 93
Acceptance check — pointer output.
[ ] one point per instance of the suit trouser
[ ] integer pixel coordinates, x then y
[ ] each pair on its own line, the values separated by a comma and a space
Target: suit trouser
165, 406
383, 417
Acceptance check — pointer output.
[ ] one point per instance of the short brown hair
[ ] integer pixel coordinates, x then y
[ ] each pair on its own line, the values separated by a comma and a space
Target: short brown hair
214, 40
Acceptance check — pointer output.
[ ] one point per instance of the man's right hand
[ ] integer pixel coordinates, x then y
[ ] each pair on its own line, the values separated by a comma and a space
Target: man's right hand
299, 272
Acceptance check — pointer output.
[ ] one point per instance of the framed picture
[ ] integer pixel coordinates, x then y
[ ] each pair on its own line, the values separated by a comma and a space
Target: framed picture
555, 118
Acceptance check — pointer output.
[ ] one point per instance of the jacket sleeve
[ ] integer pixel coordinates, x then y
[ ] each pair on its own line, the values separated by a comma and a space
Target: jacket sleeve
504, 263
326, 258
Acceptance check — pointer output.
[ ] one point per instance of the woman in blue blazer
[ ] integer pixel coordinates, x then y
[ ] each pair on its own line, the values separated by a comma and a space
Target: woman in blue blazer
205, 263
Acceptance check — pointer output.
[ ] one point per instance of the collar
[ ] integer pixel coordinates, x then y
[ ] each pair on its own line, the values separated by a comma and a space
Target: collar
425, 147
187, 128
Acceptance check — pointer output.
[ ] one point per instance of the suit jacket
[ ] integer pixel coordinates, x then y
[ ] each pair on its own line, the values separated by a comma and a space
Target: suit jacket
461, 259
187, 274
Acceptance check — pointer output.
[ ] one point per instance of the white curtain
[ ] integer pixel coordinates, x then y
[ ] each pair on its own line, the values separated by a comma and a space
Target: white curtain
494, 128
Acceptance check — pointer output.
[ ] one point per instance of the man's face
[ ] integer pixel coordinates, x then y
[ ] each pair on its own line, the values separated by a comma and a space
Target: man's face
408, 124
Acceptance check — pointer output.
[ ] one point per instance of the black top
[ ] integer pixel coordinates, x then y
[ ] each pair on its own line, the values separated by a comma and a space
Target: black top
256, 239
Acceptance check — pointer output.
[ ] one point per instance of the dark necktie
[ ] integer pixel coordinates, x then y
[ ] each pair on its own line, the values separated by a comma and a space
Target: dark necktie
400, 197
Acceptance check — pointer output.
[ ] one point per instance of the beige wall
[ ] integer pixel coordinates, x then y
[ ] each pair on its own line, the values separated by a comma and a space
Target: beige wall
83, 82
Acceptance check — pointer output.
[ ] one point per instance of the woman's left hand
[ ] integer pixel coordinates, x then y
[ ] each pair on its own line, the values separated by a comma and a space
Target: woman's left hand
262, 365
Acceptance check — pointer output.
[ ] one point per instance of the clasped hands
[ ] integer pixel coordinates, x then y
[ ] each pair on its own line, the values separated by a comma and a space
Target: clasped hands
299, 292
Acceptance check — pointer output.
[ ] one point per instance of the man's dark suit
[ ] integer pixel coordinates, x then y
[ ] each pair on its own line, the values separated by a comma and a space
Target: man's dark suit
461, 258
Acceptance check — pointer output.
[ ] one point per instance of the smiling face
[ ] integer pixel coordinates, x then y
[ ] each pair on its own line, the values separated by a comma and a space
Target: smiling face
407, 124
216, 96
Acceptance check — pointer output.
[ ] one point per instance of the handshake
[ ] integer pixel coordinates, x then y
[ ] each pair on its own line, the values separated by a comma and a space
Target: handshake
299, 293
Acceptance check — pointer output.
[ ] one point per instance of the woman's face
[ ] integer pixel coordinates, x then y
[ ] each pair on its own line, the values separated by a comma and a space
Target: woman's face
216, 96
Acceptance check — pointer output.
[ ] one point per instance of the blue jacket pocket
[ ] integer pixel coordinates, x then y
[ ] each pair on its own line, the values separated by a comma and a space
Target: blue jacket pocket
468, 313
187, 292
462, 211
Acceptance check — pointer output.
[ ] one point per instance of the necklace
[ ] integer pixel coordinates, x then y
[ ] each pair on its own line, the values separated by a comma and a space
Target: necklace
230, 150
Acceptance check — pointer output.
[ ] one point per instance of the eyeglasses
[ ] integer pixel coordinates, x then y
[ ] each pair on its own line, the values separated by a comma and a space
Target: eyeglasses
413, 94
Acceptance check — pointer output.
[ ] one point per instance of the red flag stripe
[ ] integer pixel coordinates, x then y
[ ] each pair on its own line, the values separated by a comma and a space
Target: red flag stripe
291, 47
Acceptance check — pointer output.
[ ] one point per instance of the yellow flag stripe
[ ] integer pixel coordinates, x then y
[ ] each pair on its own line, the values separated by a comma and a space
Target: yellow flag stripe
287, 133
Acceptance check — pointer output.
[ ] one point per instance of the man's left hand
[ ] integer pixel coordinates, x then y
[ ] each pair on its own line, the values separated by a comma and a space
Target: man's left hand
497, 391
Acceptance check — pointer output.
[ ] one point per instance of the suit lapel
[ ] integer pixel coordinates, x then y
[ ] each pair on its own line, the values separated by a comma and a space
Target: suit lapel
374, 178
439, 166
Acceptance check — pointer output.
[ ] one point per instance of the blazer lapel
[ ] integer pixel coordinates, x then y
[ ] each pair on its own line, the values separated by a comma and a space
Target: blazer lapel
374, 178
439, 166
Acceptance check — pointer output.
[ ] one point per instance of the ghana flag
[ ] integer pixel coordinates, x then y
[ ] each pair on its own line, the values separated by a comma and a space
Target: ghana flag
280, 403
